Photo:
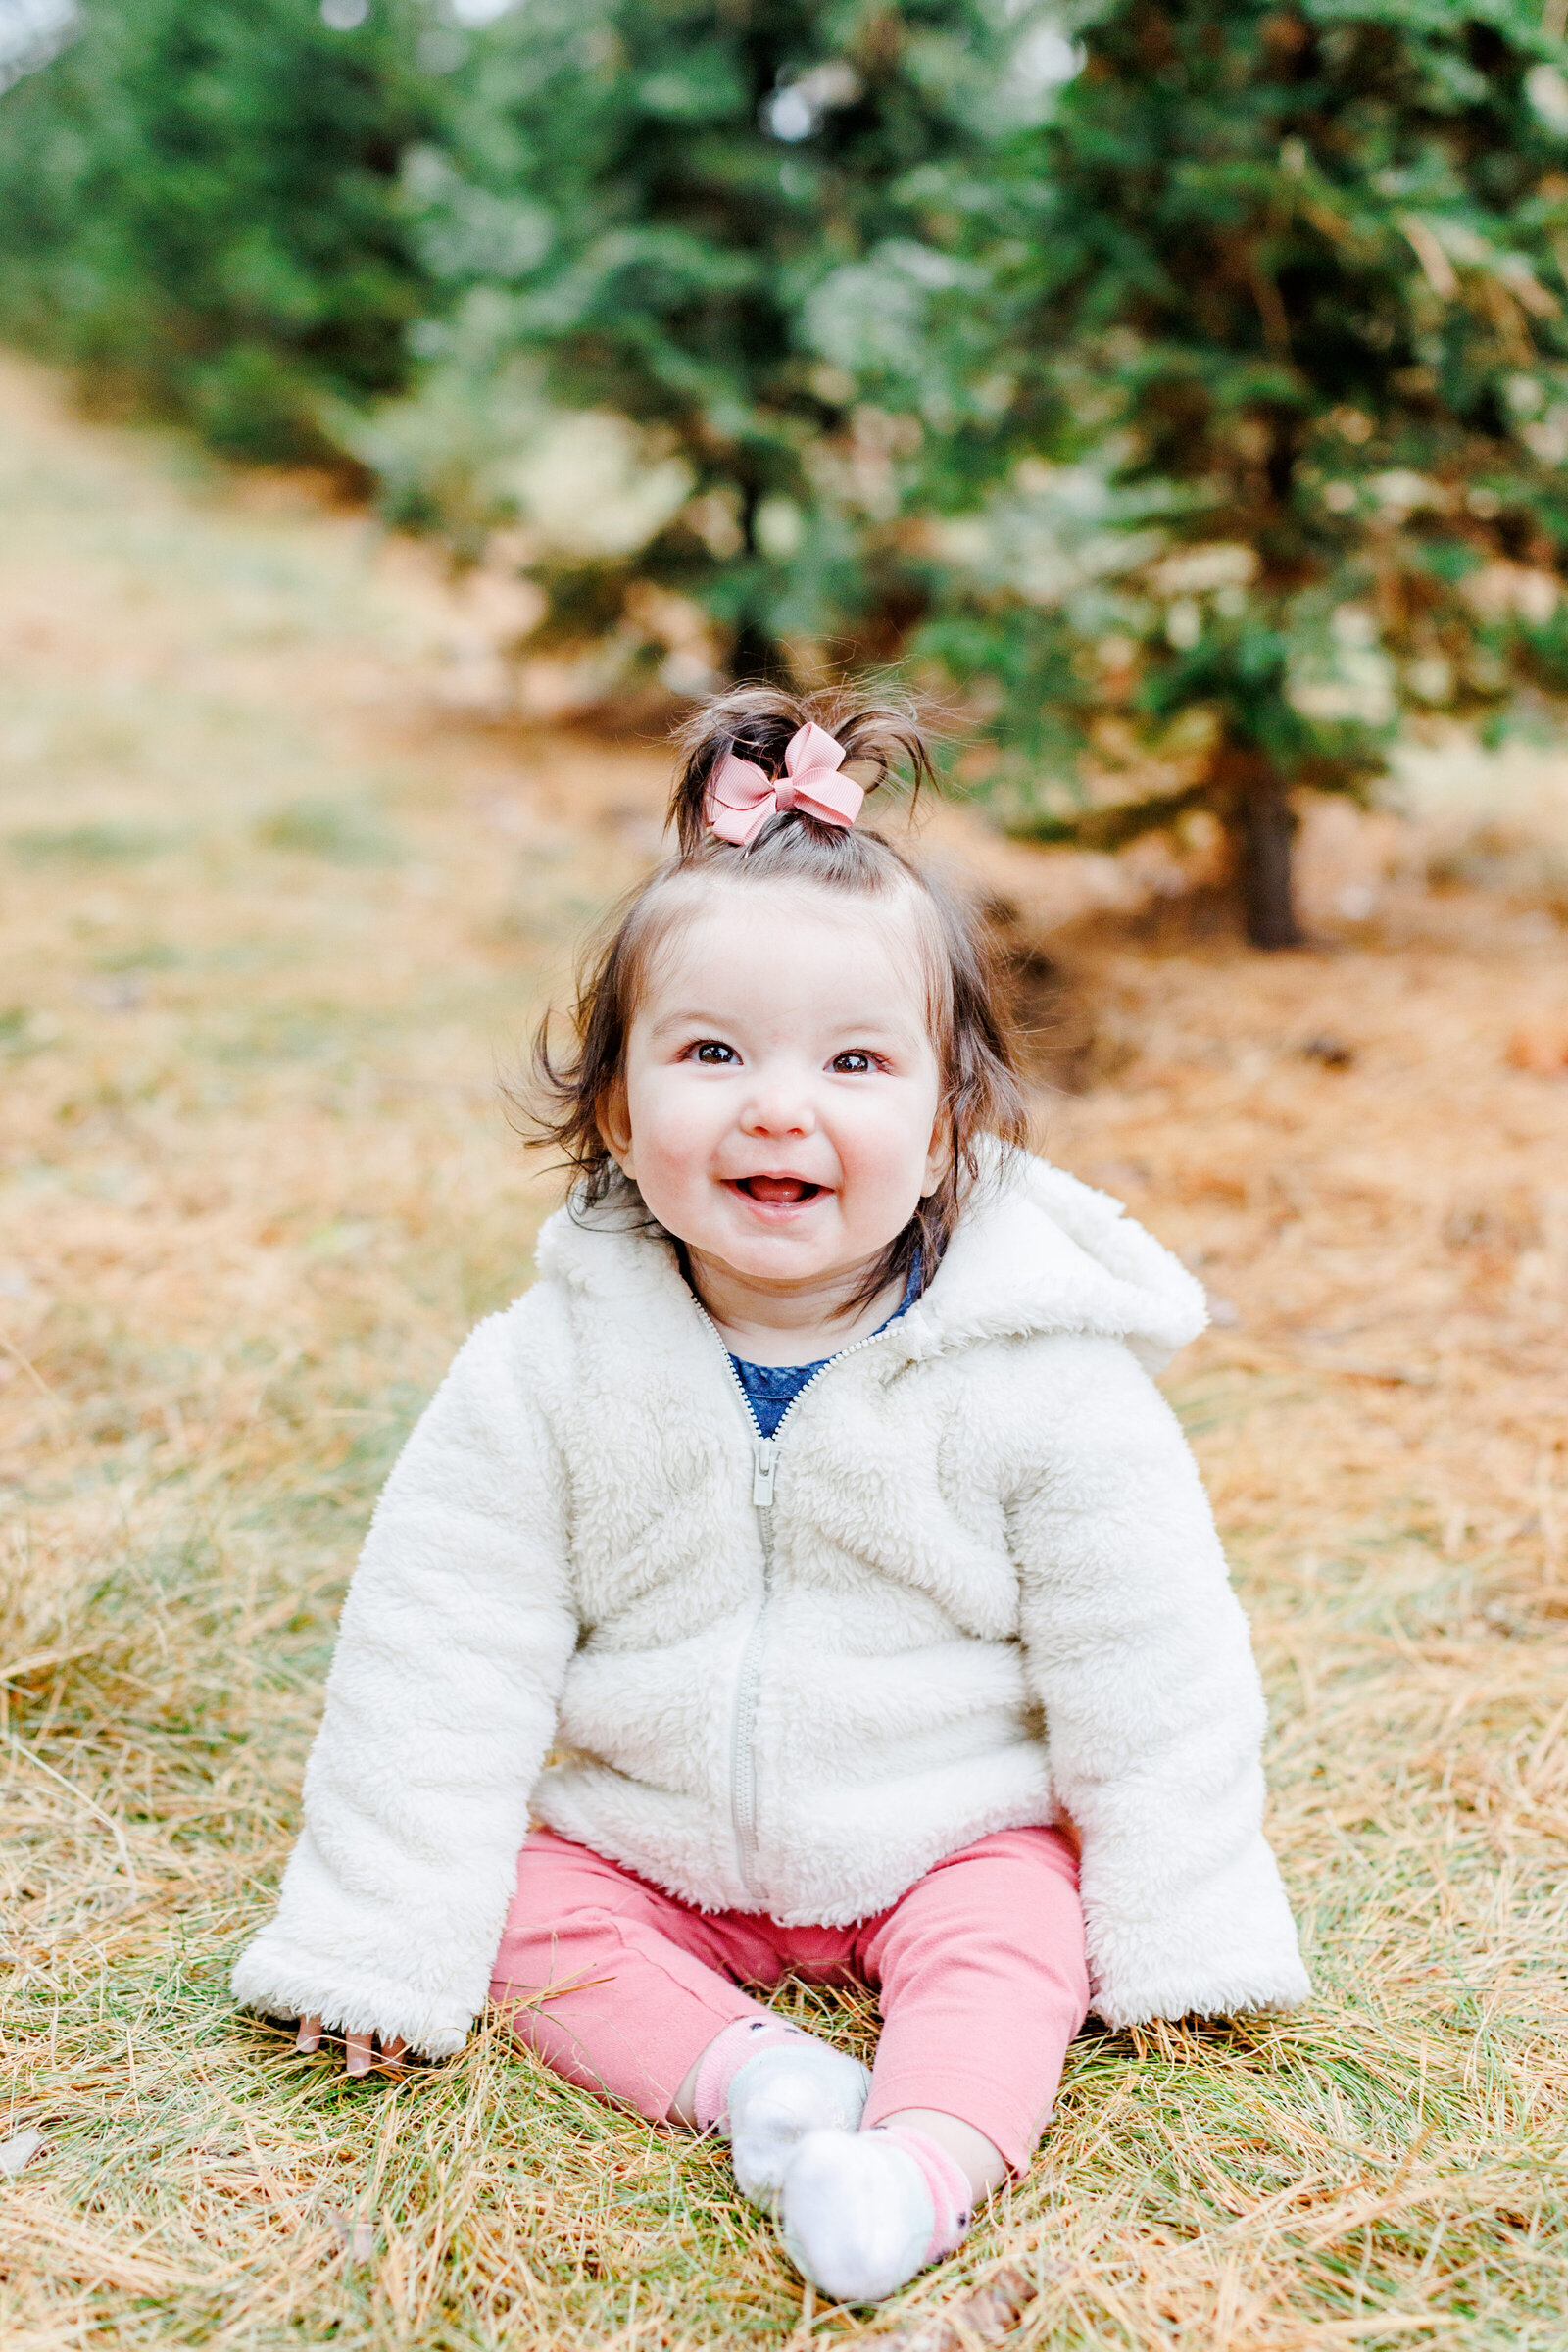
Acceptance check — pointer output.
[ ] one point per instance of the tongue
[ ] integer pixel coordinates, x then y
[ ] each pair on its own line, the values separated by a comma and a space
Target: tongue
778, 1187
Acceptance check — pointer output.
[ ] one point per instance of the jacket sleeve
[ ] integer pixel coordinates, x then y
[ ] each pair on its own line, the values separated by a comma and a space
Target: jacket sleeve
1139, 1654
440, 1706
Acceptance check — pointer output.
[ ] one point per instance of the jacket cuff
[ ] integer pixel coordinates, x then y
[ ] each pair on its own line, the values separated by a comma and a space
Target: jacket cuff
282, 1979
1241, 1990
1220, 1948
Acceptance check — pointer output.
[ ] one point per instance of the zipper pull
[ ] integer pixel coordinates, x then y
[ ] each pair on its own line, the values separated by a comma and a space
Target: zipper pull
765, 1461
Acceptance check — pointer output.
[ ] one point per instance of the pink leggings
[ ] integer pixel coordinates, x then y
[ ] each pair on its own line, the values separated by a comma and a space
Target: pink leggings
979, 1970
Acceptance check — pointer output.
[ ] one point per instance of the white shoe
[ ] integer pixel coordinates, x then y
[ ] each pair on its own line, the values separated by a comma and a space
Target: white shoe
780, 2095
855, 2215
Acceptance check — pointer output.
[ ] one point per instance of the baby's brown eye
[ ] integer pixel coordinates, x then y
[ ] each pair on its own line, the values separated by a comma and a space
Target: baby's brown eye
712, 1052
852, 1064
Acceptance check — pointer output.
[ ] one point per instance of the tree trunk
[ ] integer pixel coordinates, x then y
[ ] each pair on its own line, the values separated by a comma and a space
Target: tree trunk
754, 659
1266, 827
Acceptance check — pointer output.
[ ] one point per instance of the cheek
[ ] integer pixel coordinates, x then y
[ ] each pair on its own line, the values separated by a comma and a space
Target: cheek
672, 1137
888, 1152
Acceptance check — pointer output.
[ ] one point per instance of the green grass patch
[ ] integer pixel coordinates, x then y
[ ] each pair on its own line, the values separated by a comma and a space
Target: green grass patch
343, 832
89, 845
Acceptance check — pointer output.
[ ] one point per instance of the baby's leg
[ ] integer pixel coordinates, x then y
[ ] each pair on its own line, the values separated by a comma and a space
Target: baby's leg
983, 1984
642, 2006
634, 1986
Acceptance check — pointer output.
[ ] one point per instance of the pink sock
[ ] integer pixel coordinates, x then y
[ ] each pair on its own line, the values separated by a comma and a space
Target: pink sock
951, 2198
723, 2059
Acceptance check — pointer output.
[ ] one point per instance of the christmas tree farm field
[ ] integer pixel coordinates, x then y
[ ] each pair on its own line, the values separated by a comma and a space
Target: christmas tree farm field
277, 901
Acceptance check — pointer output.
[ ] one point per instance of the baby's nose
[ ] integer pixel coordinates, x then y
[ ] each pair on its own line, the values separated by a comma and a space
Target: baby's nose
780, 1109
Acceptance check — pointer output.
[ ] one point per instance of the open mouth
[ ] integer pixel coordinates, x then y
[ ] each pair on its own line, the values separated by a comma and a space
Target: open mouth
778, 1191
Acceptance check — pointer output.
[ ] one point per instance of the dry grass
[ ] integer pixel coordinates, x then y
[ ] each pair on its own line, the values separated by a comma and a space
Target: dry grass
269, 917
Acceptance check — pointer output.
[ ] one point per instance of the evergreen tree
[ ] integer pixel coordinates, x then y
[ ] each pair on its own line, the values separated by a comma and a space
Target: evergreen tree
1293, 274
727, 226
203, 203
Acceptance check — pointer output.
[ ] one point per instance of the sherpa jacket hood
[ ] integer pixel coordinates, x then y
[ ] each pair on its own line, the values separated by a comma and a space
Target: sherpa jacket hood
974, 1585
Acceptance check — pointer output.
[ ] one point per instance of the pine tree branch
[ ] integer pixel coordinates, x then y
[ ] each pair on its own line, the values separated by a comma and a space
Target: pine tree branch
1112, 828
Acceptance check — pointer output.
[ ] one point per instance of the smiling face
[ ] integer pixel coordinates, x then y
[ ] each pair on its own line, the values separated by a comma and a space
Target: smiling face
780, 1104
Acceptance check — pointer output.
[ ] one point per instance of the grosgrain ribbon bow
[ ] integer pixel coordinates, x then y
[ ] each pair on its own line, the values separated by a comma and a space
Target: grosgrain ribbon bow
740, 798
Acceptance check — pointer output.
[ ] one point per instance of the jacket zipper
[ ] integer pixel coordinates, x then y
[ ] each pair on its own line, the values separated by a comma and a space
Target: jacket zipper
748, 1677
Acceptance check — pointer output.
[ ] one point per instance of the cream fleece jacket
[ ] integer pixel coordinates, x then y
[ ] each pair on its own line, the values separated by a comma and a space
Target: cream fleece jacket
973, 1584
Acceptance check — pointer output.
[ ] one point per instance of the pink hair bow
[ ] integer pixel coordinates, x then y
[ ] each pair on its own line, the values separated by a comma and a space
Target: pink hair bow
740, 798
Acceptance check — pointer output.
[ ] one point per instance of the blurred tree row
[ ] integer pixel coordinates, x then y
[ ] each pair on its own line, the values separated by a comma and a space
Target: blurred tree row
1185, 382
201, 207
1300, 270
719, 225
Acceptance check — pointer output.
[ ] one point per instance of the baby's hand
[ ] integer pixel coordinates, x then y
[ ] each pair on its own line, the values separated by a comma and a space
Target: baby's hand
358, 2047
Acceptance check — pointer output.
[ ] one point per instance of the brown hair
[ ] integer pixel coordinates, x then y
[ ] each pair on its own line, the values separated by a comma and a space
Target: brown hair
980, 1093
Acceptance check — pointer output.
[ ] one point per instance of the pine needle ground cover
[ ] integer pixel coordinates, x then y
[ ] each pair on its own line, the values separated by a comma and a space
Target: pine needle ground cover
270, 922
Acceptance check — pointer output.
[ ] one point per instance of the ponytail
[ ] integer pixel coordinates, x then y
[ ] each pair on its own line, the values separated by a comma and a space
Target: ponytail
880, 741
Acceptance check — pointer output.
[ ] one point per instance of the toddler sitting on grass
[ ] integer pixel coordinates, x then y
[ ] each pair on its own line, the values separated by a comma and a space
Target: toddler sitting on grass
816, 1515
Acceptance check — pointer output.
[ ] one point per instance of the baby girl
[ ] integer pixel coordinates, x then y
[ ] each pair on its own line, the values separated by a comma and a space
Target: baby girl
805, 1578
